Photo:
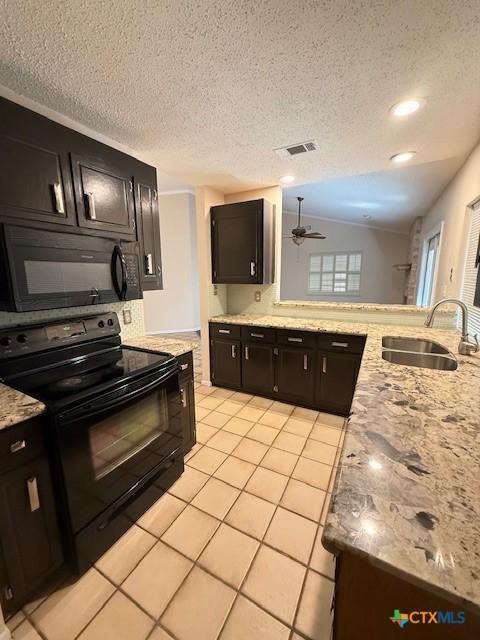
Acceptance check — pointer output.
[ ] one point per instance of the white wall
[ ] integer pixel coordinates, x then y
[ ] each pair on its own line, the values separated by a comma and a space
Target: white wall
177, 306
381, 249
452, 209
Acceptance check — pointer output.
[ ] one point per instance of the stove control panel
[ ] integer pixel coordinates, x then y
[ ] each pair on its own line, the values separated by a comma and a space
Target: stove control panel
24, 339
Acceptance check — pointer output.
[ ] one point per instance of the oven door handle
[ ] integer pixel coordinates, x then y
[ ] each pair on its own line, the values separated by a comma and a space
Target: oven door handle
99, 405
118, 257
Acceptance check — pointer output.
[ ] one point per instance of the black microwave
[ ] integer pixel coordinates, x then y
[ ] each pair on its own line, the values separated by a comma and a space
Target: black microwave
49, 270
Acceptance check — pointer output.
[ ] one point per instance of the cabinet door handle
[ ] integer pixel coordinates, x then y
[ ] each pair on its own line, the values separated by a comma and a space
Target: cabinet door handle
257, 335
253, 269
305, 362
149, 264
224, 331
17, 446
92, 214
183, 367
324, 364
246, 353
33, 496
183, 398
339, 344
234, 351
58, 196
295, 339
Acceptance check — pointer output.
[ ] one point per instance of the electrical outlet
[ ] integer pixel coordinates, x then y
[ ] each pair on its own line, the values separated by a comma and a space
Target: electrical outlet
258, 296
127, 316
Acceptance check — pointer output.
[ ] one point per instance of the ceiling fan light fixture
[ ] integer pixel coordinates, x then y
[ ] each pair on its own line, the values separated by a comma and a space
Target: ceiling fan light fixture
287, 179
298, 240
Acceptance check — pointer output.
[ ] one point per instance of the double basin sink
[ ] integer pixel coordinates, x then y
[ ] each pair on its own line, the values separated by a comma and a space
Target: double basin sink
418, 352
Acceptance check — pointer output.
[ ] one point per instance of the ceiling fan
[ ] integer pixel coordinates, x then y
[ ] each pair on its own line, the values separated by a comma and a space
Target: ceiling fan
299, 233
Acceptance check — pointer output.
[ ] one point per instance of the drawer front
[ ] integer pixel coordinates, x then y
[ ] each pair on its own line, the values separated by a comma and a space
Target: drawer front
342, 342
225, 330
185, 362
258, 334
296, 338
21, 442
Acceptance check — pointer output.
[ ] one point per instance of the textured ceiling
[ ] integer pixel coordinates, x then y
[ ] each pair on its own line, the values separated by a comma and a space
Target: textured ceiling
208, 89
392, 198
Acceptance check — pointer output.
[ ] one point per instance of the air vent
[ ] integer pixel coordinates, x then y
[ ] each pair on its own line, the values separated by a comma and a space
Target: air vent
297, 149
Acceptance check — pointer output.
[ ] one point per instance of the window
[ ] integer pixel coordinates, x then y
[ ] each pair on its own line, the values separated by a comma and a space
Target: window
471, 272
335, 273
428, 272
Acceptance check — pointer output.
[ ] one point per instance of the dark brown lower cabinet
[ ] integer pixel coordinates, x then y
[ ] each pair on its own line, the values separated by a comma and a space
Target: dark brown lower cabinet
366, 597
336, 379
28, 532
188, 401
225, 362
258, 368
287, 365
296, 374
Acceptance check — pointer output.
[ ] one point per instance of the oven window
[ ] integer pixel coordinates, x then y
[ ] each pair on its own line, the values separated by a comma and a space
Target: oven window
120, 436
45, 276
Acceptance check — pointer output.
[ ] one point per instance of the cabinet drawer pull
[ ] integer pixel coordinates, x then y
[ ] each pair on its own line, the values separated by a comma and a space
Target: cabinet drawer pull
92, 214
252, 268
183, 367
305, 362
224, 331
295, 339
339, 344
149, 264
183, 398
234, 351
33, 496
324, 364
17, 446
246, 353
58, 196
257, 335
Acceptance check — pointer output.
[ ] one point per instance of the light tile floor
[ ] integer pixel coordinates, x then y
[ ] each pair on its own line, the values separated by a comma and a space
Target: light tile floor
233, 551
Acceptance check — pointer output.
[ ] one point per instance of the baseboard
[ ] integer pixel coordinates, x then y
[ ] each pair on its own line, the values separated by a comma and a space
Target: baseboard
207, 383
157, 333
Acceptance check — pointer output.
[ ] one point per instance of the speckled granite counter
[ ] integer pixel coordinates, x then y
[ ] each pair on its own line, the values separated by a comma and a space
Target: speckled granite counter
15, 407
407, 494
175, 346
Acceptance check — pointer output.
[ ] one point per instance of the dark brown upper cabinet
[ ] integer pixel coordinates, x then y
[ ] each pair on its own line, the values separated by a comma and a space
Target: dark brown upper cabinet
148, 227
35, 181
104, 195
242, 243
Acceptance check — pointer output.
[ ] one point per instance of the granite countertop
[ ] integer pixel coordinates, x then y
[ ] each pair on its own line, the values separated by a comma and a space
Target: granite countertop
16, 407
175, 346
407, 493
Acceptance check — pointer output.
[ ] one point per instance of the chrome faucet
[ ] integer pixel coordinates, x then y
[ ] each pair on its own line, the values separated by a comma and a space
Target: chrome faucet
467, 344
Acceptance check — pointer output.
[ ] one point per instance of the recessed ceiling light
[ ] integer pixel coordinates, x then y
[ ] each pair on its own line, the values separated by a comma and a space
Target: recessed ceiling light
407, 107
405, 156
287, 179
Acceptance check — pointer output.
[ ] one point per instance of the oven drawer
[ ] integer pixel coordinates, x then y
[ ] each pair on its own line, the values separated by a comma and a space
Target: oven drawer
296, 338
21, 442
258, 334
341, 342
225, 330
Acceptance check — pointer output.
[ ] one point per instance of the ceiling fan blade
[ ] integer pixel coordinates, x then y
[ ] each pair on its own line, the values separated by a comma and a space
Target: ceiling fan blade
315, 235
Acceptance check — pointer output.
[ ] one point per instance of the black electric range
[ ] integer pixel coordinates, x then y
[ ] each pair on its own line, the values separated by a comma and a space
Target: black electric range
114, 423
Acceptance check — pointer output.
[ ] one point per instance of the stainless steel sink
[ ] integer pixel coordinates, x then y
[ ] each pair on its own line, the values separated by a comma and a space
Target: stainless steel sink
413, 344
418, 359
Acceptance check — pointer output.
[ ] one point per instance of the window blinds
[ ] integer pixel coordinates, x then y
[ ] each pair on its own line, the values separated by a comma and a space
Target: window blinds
470, 273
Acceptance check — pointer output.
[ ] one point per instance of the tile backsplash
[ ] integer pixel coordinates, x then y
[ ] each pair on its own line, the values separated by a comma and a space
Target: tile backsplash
135, 328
